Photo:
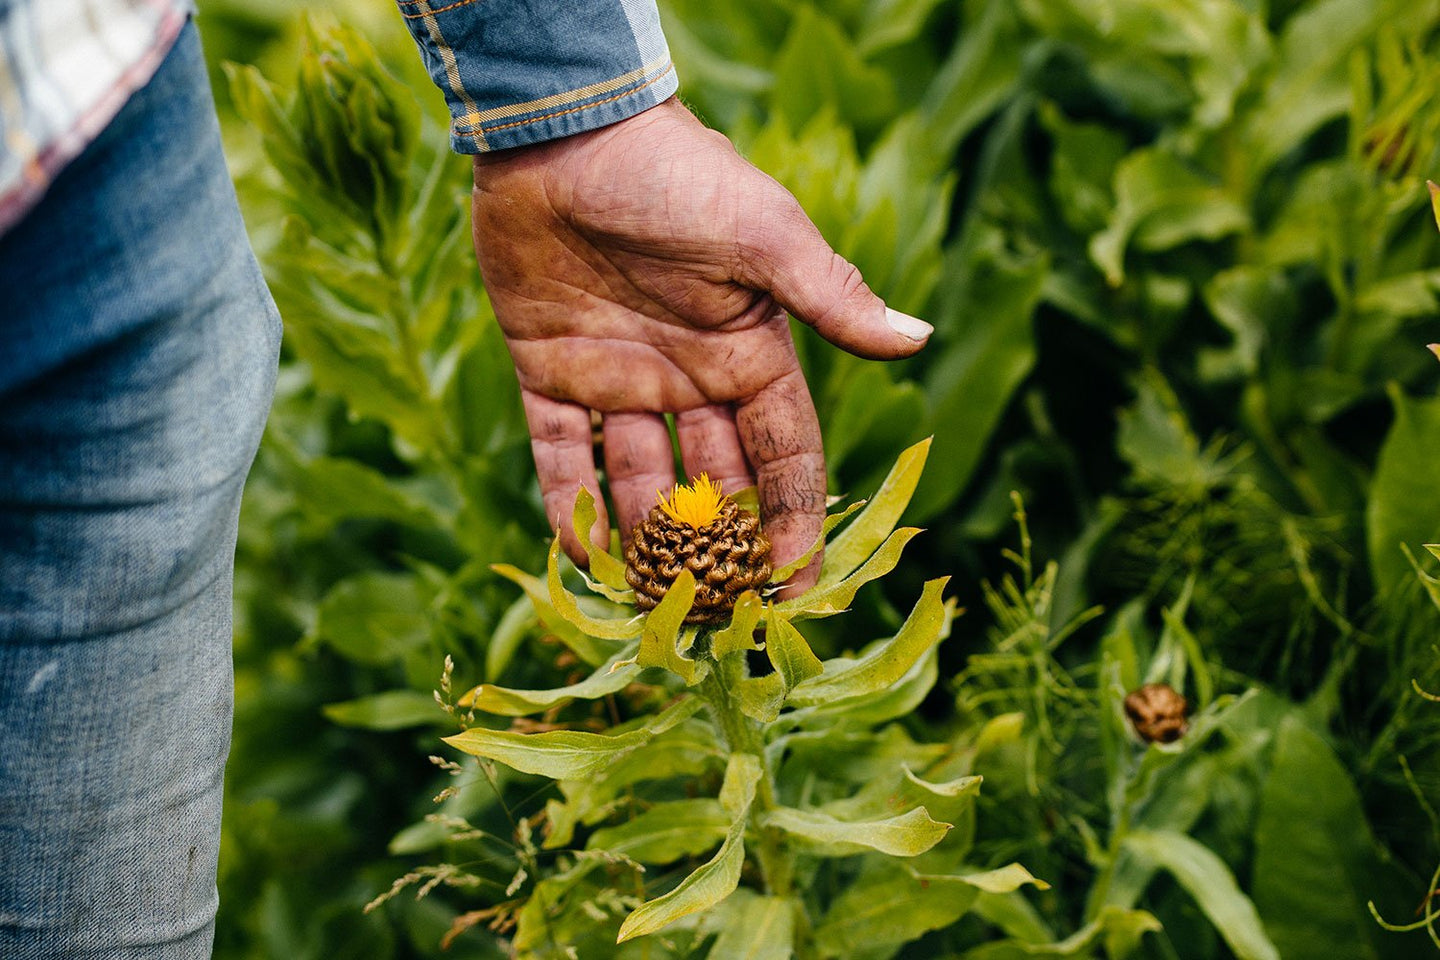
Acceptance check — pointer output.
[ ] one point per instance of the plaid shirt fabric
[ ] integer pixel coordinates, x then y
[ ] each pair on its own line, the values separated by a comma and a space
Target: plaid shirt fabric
66, 69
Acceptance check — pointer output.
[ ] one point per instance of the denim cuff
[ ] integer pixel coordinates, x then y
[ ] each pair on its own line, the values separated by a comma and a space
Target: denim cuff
516, 72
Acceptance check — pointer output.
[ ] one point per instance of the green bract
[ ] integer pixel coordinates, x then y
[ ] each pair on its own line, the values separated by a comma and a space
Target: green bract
804, 793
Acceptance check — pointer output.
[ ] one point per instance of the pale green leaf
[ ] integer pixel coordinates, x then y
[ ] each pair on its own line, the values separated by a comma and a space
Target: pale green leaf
391, 710
887, 662
603, 567
739, 634
1209, 881
790, 652
566, 605
610, 677
904, 835
715, 880
891, 904
831, 522
594, 651
827, 600
869, 530
566, 754
662, 630
756, 928
667, 832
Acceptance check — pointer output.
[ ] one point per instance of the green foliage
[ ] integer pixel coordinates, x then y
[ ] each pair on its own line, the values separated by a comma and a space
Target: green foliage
1180, 260
783, 813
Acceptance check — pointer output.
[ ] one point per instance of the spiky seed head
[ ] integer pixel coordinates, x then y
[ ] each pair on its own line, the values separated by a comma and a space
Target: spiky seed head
698, 528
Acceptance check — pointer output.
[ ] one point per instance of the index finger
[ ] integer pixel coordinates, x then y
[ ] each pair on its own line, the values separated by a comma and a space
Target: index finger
781, 436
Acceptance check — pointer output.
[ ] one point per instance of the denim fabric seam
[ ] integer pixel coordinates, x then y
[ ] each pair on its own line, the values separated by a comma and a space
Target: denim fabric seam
483, 130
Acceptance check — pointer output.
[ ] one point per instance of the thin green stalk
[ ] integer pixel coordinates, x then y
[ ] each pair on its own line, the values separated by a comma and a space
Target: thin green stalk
744, 735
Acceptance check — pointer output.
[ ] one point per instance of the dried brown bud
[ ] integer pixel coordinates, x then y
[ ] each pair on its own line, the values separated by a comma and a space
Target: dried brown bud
727, 556
1157, 712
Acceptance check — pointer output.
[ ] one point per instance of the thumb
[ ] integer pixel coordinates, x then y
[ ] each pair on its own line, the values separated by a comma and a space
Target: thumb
786, 255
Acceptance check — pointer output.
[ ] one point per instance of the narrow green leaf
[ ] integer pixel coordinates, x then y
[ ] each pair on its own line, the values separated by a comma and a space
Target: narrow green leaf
887, 662
905, 835
1209, 881
715, 880
566, 754
610, 677
566, 605
391, 710
603, 567
790, 652
832, 521
667, 831
869, 530
828, 600
739, 634
662, 630
592, 650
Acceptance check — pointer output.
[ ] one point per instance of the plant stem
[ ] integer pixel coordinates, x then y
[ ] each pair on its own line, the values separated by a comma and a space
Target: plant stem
744, 735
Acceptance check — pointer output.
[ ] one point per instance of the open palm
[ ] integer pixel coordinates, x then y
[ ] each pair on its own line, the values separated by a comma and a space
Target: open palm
646, 268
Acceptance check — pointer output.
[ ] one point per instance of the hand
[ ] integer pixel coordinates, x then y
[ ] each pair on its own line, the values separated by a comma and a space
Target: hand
646, 268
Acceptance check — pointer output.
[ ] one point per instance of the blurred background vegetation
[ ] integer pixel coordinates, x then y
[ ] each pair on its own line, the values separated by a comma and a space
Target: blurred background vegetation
1182, 270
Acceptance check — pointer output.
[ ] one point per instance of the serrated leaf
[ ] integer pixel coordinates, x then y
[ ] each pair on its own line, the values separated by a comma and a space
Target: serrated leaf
887, 662
610, 677
566, 754
905, 835
870, 529
391, 710
603, 567
565, 604
716, 879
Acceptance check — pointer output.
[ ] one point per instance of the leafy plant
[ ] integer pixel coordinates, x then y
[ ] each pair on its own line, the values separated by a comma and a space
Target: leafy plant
797, 780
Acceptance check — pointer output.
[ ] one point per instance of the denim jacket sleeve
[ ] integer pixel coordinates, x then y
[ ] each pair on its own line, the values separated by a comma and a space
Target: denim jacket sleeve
516, 72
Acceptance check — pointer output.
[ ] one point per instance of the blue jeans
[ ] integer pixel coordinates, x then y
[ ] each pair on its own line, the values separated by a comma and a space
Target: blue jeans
138, 347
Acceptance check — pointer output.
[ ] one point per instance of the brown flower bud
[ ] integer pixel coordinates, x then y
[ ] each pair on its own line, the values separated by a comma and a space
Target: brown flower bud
727, 553
1157, 712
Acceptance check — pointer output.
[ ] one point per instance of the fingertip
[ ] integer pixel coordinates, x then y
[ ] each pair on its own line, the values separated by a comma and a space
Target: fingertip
913, 329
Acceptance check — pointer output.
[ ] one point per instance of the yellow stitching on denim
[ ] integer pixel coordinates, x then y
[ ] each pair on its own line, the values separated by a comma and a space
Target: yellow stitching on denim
560, 113
568, 98
426, 13
452, 69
